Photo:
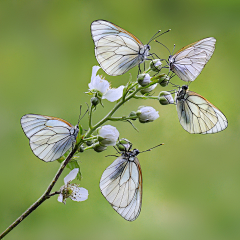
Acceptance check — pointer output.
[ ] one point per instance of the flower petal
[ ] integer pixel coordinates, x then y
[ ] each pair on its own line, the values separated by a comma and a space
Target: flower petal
79, 194
147, 114
94, 72
108, 135
72, 175
60, 198
113, 94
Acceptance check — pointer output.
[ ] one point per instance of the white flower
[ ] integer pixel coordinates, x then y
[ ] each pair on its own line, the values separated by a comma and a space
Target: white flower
149, 89
108, 135
165, 98
72, 191
147, 114
155, 65
144, 79
99, 84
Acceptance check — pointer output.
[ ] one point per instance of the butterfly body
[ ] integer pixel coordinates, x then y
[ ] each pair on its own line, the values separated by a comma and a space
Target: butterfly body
116, 49
197, 115
121, 185
49, 137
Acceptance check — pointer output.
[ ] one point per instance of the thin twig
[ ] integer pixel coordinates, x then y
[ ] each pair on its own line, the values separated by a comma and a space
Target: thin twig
44, 197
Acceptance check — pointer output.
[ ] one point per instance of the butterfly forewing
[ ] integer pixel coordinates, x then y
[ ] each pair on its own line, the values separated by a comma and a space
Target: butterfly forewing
121, 185
198, 115
116, 50
188, 62
49, 137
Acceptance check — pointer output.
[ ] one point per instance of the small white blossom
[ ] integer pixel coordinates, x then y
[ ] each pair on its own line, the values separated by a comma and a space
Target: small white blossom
169, 98
149, 89
99, 84
156, 65
147, 114
72, 191
144, 79
108, 135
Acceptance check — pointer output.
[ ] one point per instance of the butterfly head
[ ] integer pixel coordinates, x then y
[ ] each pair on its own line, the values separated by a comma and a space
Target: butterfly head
131, 154
75, 131
181, 93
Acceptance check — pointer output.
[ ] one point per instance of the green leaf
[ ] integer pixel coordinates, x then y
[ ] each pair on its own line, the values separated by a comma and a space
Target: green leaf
74, 164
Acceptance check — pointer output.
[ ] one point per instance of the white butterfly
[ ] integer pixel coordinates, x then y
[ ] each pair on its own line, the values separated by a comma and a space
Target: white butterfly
117, 50
197, 115
121, 185
188, 62
49, 137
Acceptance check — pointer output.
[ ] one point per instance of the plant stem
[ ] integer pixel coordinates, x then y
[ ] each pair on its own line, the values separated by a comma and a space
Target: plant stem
44, 197
118, 105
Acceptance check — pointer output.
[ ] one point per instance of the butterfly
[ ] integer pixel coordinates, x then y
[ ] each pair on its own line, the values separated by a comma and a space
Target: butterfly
116, 49
189, 61
121, 184
197, 115
49, 137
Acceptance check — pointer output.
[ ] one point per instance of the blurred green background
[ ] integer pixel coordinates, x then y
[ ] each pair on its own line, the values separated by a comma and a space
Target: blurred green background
190, 185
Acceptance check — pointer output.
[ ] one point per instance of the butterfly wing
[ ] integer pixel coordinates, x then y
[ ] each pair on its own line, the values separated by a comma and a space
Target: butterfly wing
116, 50
188, 62
221, 124
121, 185
198, 115
49, 137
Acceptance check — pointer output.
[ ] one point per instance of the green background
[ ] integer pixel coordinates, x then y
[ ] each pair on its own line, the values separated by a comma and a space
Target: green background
190, 185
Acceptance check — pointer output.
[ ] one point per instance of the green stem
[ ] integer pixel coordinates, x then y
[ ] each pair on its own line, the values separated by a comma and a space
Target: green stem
90, 116
116, 107
44, 197
146, 97
121, 118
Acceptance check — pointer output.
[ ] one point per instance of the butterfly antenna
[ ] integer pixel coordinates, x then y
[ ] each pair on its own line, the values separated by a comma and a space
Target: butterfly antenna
80, 118
153, 36
173, 48
174, 85
189, 83
163, 45
152, 148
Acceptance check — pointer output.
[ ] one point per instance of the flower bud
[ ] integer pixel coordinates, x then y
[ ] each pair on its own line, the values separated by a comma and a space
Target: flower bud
123, 145
133, 114
165, 98
149, 89
98, 147
147, 114
144, 79
163, 80
81, 149
155, 65
108, 135
94, 101
89, 143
